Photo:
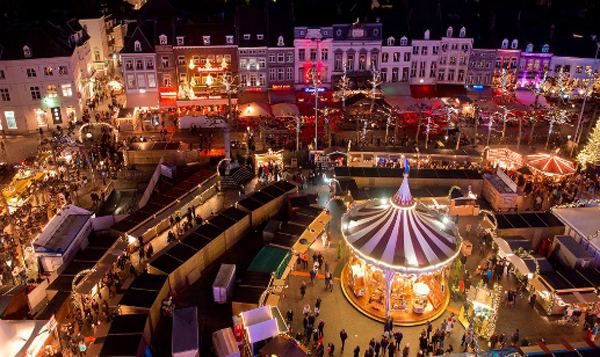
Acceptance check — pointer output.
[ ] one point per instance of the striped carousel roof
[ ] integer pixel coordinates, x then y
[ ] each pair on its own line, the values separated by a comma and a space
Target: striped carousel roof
402, 236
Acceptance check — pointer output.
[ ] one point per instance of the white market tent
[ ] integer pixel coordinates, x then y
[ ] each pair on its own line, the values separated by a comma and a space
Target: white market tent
254, 110
513, 258
581, 223
285, 110
262, 331
17, 336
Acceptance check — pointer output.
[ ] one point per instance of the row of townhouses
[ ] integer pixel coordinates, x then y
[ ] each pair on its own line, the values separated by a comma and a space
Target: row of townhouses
47, 71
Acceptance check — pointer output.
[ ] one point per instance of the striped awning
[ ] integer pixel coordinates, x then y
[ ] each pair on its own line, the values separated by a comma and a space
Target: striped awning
403, 235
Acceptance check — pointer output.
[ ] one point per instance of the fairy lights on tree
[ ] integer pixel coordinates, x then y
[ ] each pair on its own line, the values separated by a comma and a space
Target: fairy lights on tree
591, 151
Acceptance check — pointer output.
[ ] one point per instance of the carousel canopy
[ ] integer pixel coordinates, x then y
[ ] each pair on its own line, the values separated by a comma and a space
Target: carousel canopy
254, 110
285, 110
550, 164
401, 236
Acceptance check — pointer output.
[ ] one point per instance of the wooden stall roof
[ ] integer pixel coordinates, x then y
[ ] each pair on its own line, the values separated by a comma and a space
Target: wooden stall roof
292, 229
209, 231
261, 197
527, 220
374, 172
222, 222
121, 345
62, 283
255, 279
235, 213
196, 241
128, 324
152, 282
310, 211
166, 263
139, 298
246, 294
54, 305
250, 204
284, 185
301, 220
77, 266
181, 251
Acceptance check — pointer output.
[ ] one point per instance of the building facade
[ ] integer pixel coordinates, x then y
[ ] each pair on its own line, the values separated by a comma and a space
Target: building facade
252, 48
533, 66
454, 55
313, 47
395, 60
482, 63
45, 76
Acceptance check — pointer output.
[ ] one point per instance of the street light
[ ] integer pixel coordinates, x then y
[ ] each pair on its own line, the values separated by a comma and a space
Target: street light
316, 82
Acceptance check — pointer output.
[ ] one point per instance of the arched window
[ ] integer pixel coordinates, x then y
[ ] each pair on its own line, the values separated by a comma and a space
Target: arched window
529, 47
137, 46
545, 48
280, 42
403, 41
26, 51
463, 32
391, 41
515, 44
162, 39
505, 43
449, 32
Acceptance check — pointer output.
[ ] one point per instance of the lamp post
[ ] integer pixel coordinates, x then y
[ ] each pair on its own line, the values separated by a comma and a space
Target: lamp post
230, 88
387, 127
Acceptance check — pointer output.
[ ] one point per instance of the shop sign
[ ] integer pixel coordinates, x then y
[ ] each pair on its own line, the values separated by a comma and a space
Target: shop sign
312, 90
281, 87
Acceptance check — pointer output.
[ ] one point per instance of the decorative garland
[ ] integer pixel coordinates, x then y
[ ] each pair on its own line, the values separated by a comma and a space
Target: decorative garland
552, 303
578, 203
522, 253
452, 189
490, 327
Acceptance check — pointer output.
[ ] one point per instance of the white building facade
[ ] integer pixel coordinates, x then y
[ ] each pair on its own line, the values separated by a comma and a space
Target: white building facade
395, 61
313, 48
454, 57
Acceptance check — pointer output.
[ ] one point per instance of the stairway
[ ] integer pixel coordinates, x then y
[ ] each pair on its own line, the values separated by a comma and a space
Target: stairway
237, 177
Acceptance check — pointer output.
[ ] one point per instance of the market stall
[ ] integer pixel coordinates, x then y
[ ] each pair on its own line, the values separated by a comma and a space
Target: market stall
582, 224
258, 326
481, 312
25, 337
400, 253
504, 158
267, 158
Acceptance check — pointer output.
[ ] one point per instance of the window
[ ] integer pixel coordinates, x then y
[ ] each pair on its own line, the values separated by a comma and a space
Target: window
432, 69
271, 58
579, 69
443, 60
337, 62
206, 40
129, 64
462, 60
395, 74
48, 71
406, 56
166, 80
271, 74
588, 70
435, 50
196, 60
35, 93
452, 60
465, 47
545, 48
455, 46
413, 70
362, 62
424, 50
324, 54
498, 62
529, 48
141, 80
536, 65
253, 80
422, 66
137, 46
280, 57
179, 41
567, 68
11, 120
403, 41
391, 41
280, 74
227, 58
289, 73
243, 62
26, 51
2, 74
162, 39
488, 64
181, 60
131, 81
313, 54
415, 50
384, 57
165, 62
260, 37
139, 64
280, 41
301, 54
461, 75
262, 80
151, 80
252, 63
31, 73
289, 57
150, 64
451, 75
444, 47
441, 74
246, 36
396, 57
350, 62
404, 74
67, 91
182, 78
4, 95
384, 74
374, 61
513, 62
262, 63
229, 40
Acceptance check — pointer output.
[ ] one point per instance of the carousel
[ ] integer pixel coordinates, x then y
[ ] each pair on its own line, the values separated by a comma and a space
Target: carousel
550, 165
400, 257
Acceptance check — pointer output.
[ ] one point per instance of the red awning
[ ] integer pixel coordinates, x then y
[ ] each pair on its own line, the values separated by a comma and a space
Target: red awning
423, 91
168, 102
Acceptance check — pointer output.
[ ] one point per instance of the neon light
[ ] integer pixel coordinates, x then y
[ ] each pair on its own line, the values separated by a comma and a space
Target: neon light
312, 90
168, 94
477, 87
212, 69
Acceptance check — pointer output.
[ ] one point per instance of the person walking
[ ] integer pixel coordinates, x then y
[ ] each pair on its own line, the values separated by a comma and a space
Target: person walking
330, 349
303, 289
357, 351
406, 350
343, 337
306, 309
398, 339
532, 300
290, 316
317, 305
321, 327
313, 274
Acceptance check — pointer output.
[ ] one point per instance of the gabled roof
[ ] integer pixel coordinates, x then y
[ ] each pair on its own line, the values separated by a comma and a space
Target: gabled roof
194, 33
252, 20
144, 33
45, 40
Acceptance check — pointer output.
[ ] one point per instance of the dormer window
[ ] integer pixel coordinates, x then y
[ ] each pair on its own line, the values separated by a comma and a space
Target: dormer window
529, 48
137, 46
449, 31
403, 41
246, 36
505, 43
515, 44
206, 40
427, 34
180, 41
26, 52
391, 41
260, 37
545, 48
280, 42
162, 39
463, 32
229, 40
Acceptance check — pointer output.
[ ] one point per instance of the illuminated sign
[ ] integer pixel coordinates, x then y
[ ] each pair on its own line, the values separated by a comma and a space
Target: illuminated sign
312, 90
253, 89
56, 116
168, 94
477, 87
212, 69
281, 87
